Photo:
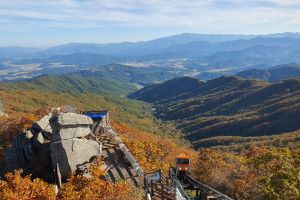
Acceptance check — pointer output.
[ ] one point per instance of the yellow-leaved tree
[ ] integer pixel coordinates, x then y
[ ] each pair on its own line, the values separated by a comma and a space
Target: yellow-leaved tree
16, 187
95, 187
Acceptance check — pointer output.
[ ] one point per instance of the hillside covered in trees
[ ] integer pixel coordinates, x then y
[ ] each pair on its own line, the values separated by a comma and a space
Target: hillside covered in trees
154, 144
226, 106
273, 74
148, 139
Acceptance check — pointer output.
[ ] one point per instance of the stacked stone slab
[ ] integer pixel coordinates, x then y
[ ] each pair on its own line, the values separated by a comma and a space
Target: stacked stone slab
42, 132
68, 147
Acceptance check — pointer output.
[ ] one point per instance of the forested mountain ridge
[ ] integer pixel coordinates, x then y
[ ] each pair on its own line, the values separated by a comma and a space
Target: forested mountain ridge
169, 89
229, 106
154, 144
131, 74
73, 84
200, 55
113, 79
273, 74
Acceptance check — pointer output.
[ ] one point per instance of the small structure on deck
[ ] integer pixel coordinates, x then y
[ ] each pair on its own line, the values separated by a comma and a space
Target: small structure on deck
100, 119
102, 116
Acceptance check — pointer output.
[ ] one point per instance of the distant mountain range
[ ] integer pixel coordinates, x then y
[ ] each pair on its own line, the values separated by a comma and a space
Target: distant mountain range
203, 56
274, 74
226, 106
176, 44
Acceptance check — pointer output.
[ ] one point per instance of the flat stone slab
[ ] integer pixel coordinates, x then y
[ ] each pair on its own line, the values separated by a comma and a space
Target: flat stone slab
69, 119
69, 133
69, 154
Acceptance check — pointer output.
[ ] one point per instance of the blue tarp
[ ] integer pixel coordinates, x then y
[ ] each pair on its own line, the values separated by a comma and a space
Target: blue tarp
94, 115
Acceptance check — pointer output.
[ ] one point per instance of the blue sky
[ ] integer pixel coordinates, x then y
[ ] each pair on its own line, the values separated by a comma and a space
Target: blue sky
44, 23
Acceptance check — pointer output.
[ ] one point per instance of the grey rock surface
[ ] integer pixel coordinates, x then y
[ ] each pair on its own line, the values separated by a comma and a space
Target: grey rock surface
69, 119
55, 139
71, 153
19, 155
69, 133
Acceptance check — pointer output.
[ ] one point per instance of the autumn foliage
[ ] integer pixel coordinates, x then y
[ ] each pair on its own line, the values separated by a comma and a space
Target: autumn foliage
80, 187
10, 127
153, 152
16, 187
258, 173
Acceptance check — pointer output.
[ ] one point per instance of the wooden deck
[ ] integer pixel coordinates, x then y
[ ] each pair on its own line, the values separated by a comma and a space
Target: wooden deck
119, 168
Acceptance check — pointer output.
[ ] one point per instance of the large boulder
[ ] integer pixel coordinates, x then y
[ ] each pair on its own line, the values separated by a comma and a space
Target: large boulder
69, 154
68, 148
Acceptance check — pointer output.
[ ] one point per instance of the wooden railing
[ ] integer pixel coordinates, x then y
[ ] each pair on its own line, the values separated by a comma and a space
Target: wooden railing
206, 190
125, 150
163, 187
162, 191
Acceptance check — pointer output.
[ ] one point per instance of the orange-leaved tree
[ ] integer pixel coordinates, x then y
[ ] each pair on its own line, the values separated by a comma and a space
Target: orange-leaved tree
256, 173
95, 187
153, 152
16, 187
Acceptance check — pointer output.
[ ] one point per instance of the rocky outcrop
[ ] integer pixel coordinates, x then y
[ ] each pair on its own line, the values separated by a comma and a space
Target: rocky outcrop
19, 155
28, 148
68, 147
58, 139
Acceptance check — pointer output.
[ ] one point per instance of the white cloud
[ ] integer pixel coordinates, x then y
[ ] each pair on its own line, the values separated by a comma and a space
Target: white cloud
208, 15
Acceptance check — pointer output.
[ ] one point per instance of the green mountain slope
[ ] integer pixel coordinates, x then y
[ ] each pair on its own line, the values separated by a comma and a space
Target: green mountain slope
169, 89
273, 74
229, 106
74, 84
138, 75
113, 79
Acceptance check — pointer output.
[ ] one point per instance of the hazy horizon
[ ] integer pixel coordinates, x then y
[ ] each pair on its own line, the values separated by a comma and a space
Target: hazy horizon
42, 24
135, 41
